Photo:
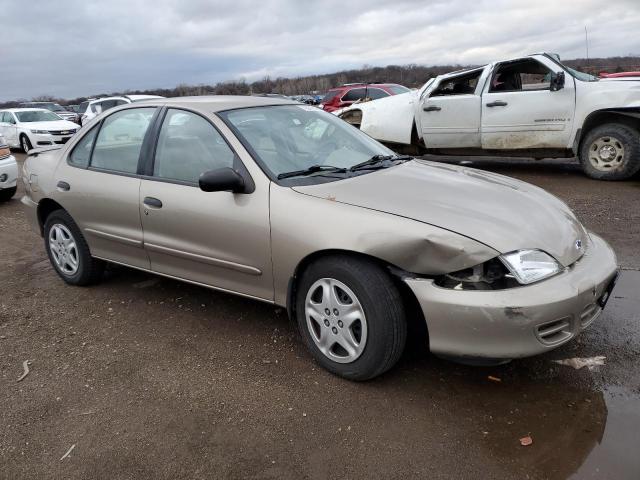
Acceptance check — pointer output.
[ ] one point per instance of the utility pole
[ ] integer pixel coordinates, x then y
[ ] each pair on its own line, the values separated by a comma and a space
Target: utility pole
586, 42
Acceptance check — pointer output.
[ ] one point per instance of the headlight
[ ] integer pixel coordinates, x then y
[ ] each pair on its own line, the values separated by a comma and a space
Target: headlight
40, 132
529, 266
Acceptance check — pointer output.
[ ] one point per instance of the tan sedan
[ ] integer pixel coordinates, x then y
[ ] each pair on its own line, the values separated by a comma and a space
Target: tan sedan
286, 204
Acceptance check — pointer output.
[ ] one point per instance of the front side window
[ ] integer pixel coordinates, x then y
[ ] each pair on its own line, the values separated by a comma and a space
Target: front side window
286, 138
520, 75
188, 145
82, 151
37, 116
461, 85
120, 140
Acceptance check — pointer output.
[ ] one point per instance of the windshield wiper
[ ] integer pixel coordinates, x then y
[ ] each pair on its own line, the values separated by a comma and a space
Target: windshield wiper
311, 170
377, 162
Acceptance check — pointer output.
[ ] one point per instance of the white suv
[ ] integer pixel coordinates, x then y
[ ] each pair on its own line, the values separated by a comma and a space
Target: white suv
8, 172
91, 108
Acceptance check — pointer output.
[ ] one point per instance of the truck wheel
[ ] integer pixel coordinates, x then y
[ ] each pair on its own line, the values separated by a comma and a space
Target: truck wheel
611, 152
351, 317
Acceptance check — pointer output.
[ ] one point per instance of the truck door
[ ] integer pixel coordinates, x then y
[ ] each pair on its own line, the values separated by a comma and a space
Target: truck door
449, 113
519, 109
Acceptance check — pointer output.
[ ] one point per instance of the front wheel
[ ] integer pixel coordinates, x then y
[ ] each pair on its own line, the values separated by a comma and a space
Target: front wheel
611, 152
68, 251
25, 144
351, 316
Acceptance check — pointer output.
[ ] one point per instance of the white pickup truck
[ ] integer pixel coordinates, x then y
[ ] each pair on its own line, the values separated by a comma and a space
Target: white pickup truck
531, 106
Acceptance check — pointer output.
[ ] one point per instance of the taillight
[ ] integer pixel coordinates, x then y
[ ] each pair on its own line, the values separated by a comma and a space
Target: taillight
4, 151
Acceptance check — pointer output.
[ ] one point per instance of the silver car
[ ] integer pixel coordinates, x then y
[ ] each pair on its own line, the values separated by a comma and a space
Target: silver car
287, 204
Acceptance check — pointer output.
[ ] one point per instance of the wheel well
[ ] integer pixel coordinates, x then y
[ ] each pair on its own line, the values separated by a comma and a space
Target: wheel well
415, 318
45, 207
353, 117
631, 118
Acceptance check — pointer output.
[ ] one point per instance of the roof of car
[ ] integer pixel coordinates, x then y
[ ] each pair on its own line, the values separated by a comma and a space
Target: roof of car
218, 103
25, 109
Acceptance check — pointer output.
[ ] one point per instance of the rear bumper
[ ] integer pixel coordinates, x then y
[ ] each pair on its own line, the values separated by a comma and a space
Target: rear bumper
8, 172
31, 212
518, 322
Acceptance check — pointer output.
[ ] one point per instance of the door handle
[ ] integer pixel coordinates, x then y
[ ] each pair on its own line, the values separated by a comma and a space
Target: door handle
152, 202
431, 108
497, 103
63, 186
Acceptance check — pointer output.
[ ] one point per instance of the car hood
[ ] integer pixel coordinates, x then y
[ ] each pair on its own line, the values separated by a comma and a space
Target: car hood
503, 213
52, 125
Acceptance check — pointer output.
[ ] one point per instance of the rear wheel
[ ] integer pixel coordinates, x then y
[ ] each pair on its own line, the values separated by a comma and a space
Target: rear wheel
7, 193
351, 316
68, 251
25, 144
611, 152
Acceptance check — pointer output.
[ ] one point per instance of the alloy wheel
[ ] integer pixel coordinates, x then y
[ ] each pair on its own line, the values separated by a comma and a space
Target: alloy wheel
64, 250
336, 320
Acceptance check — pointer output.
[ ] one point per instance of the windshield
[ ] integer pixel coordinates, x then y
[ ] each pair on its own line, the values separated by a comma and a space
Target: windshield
37, 116
585, 77
295, 137
398, 89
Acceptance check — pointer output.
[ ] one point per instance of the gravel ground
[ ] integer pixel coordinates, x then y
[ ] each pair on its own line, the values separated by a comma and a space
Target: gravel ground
151, 378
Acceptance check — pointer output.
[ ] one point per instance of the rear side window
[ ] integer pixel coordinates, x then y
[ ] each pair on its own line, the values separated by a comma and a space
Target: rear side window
188, 145
120, 140
375, 93
398, 89
354, 94
82, 151
461, 85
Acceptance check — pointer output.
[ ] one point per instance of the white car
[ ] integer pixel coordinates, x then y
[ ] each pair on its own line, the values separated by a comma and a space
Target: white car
8, 172
91, 108
28, 128
531, 106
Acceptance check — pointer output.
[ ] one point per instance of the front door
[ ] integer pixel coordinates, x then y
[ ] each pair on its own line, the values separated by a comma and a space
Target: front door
8, 128
219, 239
99, 186
450, 112
520, 111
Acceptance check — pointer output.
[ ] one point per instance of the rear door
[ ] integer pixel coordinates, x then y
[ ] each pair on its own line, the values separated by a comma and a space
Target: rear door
449, 113
219, 239
520, 111
99, 185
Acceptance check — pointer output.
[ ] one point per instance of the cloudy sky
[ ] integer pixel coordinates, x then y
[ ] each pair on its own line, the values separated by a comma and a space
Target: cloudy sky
71, 48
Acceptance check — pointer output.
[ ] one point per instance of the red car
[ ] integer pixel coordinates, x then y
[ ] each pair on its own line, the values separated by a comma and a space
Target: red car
619, 74
345, 95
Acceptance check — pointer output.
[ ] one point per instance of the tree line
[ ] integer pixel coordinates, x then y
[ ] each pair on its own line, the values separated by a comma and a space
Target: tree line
412, 76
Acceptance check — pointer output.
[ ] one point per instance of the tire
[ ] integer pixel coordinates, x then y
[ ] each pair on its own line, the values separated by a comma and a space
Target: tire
611, 152
378, 332
71, 250
25, 143
7, 194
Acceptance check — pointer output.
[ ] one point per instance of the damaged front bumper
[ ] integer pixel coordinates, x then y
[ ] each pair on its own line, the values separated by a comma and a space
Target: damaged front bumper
522, 321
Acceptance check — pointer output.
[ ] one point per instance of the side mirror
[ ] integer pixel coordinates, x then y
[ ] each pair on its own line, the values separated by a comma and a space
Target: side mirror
557, 81
222, 180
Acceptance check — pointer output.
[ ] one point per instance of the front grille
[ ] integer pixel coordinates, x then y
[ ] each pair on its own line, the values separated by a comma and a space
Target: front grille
62, 132
554, 332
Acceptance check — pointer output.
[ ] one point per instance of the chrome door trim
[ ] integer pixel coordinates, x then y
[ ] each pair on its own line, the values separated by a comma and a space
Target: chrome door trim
115, 238
201, 258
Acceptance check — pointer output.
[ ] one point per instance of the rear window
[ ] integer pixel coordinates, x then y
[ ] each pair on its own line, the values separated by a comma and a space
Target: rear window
398, 89
330, 96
